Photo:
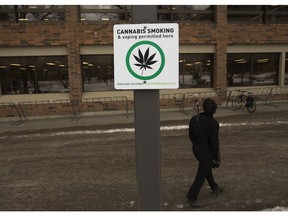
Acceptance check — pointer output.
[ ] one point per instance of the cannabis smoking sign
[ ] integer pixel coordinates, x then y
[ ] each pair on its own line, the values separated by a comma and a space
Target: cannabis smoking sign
146, 56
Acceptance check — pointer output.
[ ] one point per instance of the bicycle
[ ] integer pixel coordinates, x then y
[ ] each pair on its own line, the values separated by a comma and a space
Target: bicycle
197, 102
247, 101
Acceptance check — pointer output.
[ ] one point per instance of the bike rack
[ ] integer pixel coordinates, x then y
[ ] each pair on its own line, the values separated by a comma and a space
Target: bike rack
175, 99
190, 97
269, 97
24, 108
106, 103
29, 108
75, 106
14, 110
231, 95
264, 94
267, 93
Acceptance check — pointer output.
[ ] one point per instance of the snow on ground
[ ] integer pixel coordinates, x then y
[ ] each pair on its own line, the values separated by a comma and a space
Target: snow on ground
129, 130
277, 208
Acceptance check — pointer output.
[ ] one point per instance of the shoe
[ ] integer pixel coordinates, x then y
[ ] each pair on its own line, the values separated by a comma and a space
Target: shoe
194, 204
217, 191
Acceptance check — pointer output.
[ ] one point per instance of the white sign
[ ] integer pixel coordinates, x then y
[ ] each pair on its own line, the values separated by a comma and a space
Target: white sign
146, 56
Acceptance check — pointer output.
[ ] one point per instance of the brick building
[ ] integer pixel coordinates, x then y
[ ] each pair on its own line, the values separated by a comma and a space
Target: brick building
62, 54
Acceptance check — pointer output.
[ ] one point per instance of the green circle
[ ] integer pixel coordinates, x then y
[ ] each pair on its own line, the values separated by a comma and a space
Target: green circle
128, 60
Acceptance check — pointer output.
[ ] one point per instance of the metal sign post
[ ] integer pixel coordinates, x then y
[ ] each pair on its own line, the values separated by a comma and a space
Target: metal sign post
147, 131
146, 59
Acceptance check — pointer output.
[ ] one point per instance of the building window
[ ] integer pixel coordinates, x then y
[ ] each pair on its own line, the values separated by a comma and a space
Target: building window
257, 14
27, 75
252, 69
277, 14
7, 13
286, 70
185, 13
22, 13
245, 13
105, 12
196, 70
98, 72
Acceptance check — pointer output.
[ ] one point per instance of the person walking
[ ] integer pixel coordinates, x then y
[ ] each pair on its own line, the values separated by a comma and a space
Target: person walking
204, 135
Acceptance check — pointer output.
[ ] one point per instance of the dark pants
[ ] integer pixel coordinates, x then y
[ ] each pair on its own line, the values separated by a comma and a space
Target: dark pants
204, 172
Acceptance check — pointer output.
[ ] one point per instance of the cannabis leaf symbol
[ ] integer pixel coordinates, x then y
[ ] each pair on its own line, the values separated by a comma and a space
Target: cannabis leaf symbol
144, 61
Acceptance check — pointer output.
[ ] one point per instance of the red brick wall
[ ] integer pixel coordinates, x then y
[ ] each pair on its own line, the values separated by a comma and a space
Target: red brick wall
196, 33
257, 34
73, 33
32, 34
73, 51
102, 33
220, 58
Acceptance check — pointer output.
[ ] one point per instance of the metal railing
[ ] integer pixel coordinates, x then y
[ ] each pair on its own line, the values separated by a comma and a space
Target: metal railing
183, 101
267, 95
12, 110
106, 104
189, 99
32, 108
171, 100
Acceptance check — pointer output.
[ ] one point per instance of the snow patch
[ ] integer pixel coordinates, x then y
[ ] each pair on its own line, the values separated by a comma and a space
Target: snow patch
131, 130
277, 208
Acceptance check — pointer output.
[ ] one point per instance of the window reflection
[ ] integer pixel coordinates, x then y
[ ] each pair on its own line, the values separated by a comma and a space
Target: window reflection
277, 13
27, 75
32, 13
105, 12
196, 70
252, 69
186, 13
258, 13
40, 12
98, 72
7, 13
245, 13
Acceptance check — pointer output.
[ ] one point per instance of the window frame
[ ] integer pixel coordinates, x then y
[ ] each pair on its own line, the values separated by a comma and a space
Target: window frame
125, 11
264, 13
16, 11
33, 75
286, 70
170, 11
198, 82
251, 69
108, 84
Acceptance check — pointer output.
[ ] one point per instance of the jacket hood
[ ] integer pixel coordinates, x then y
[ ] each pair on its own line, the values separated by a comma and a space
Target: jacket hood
209, 106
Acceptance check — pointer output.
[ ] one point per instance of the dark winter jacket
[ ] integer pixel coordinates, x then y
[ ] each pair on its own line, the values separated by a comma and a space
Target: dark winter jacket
210, 128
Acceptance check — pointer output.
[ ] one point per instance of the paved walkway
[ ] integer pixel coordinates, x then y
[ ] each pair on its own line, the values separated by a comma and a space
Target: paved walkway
112, 118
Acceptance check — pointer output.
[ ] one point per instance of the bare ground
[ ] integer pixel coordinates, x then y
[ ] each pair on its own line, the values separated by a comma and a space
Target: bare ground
45, 170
